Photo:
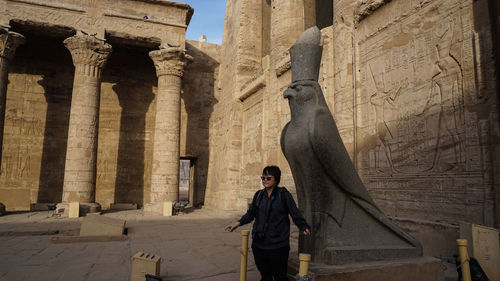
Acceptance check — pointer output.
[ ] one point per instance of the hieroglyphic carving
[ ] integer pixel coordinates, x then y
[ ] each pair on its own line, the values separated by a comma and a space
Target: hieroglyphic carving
252, 143
423, 59
378, 100
28, 11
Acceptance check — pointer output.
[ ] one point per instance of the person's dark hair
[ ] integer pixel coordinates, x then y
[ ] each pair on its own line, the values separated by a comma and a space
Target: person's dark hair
273, 171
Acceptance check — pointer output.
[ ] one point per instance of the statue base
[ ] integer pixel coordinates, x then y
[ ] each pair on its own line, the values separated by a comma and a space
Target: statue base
344, 255
408, 269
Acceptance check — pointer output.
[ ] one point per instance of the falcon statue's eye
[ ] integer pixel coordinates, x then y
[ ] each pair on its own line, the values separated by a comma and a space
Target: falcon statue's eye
298, 88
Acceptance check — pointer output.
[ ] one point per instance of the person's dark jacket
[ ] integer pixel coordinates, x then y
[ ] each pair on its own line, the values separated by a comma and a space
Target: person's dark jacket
271, 229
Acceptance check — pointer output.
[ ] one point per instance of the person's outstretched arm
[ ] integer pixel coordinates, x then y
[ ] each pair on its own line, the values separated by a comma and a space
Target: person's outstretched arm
246, 218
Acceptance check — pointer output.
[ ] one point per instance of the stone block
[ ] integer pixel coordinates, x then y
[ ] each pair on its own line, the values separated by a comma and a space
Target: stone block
168, 208
159, 208
63, 209
142, 264
96, 225
36, 207
410, 269
2, 209
123, 206
484, 245
74, 210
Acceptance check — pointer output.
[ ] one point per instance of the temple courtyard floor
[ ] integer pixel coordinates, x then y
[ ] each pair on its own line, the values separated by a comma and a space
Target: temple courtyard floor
192, 246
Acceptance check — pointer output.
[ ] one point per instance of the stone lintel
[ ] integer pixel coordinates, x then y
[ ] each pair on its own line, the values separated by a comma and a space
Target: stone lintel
88, 50
127, 39
45, 28
170, 61
9, 41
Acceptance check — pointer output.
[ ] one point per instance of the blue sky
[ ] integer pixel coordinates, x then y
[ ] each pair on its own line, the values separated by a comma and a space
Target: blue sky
208, 19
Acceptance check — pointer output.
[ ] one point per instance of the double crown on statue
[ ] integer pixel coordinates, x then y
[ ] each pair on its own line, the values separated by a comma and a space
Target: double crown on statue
305, 55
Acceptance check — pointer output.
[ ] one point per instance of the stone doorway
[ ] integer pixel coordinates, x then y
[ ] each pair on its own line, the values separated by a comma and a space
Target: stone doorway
186, 181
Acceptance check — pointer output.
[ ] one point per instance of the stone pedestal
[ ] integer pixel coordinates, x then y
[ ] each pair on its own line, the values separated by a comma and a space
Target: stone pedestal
169, 65
144, 263
96, 225
411, 269
9, 41
89, 56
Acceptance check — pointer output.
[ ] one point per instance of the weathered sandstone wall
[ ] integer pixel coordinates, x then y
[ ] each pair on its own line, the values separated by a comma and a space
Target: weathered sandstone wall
413, 89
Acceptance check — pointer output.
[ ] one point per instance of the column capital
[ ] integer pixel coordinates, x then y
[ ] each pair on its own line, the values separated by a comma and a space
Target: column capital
170, 61
9, 41
88, 50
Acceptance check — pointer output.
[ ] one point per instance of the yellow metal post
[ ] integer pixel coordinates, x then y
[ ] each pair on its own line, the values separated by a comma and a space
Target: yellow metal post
304, 264
464, 259
244, 254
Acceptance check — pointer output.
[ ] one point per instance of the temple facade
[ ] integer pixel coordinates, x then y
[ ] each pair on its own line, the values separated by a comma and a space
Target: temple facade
413, 88
105, 102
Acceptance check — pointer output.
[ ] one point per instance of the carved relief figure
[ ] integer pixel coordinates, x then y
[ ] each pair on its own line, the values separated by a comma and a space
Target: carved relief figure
379, 99
447, 85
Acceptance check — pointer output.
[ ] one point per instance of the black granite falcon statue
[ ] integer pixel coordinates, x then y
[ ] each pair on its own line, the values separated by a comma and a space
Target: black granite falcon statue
346, 223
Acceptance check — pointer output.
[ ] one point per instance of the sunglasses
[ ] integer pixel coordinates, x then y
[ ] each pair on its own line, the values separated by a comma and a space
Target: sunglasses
266, 178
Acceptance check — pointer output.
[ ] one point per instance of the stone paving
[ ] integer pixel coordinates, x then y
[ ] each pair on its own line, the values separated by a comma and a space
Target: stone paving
193, 247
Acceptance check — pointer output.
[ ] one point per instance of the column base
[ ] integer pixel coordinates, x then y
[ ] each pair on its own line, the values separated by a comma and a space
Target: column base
63, 209
409, 269
165, 208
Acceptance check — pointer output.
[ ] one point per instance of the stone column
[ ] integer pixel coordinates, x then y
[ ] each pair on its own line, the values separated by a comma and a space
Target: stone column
169, 64
89, 56
9, 41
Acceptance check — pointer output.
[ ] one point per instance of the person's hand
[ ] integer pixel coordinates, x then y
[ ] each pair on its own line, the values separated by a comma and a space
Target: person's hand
307, 231
232, 227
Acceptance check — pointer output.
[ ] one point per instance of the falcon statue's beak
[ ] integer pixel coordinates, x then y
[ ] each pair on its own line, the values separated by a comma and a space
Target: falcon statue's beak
289, 93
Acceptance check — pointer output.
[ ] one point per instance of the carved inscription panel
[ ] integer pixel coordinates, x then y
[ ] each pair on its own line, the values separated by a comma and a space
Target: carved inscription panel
252, 145
417, 105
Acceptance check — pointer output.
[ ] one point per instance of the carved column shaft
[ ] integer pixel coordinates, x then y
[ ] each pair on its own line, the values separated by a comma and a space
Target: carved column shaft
169, 65
89, 56
9, 41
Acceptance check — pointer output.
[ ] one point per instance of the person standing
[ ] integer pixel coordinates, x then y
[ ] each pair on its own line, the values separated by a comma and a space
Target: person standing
270, 208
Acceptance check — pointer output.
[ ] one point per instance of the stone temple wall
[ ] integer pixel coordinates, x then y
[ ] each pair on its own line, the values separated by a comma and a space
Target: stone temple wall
413, 89
427, 114
126, 127
36, 124
197, 106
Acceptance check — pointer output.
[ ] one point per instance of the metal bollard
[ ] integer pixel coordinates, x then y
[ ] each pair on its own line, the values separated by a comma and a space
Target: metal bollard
304, 264
464, 259
244, 254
